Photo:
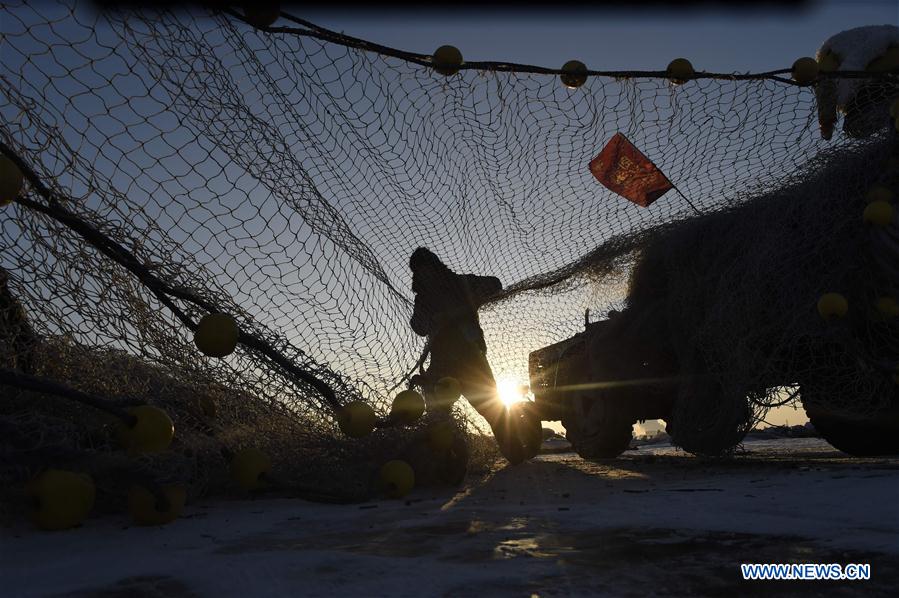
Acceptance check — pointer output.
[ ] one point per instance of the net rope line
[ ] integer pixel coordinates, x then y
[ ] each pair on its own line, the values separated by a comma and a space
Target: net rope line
316, 31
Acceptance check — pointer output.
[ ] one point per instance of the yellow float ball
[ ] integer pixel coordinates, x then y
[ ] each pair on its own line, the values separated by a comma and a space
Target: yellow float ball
407, 407
11, 180
878, 213
397, 478
887, 307
805, 70
216, 335
249, 468
894, 109
357, 419
261, 13
447, 60
146, 509
440, 436
832, 305
60, 499
680, 70
574, 74
152, 433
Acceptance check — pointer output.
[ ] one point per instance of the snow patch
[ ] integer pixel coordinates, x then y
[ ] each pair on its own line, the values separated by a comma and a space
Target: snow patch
856, 48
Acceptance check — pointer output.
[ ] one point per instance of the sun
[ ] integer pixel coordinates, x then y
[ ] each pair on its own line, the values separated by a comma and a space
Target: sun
509, 390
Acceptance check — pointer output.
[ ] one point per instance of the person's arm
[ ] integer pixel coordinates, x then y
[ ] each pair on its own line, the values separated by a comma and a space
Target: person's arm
483, 287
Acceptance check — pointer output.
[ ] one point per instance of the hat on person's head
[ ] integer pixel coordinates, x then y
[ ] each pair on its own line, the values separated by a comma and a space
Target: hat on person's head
424, 258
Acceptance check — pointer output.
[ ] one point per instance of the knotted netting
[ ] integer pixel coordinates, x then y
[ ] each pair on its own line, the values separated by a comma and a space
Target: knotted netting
191, 163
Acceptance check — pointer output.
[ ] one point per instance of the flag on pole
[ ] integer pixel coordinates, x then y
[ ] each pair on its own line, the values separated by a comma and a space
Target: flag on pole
623, 169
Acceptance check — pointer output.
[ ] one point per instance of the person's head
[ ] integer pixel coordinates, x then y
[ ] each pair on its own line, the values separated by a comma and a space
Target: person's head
422, 259
427, 270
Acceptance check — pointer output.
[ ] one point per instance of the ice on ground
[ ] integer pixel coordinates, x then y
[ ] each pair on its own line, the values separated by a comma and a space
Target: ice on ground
654, 521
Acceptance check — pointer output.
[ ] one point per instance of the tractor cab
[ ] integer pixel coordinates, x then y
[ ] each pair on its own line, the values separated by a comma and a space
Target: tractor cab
556, 370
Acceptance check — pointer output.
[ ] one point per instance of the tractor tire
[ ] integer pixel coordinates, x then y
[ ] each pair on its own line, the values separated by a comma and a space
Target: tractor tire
873, 436
596, 430
707, 421
876, 437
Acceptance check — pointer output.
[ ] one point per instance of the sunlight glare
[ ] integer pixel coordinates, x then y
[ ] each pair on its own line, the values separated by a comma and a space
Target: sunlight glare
509, 391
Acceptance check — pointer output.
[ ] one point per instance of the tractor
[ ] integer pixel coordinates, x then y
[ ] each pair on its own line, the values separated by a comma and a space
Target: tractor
615, 373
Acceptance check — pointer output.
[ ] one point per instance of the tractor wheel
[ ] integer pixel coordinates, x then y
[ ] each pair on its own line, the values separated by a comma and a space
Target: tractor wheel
859, 438
874, 435
596, 430
871, 437
705, 422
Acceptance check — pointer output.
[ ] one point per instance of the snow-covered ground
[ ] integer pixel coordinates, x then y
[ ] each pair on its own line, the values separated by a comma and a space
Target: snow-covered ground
654, 522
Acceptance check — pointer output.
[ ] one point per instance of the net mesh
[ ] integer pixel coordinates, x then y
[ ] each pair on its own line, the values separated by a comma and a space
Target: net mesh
286, 179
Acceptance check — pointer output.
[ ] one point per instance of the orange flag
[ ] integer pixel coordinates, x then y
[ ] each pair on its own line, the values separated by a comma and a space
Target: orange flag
623, 169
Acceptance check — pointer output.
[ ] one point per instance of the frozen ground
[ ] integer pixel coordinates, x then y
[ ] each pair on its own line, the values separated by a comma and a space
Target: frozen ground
654, 522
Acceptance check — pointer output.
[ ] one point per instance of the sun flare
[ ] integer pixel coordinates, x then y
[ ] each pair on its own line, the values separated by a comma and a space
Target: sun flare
510, 390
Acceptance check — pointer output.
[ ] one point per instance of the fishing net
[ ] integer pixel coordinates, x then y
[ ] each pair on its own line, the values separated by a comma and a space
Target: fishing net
186, 163
740, 305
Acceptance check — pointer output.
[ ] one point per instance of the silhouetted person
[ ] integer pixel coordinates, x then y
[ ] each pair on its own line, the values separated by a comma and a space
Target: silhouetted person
446, 311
